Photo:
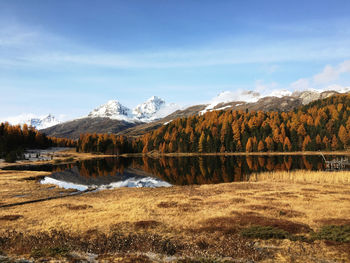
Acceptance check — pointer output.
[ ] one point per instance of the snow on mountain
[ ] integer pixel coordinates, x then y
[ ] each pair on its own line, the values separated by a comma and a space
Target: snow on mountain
337, 88
113, 110
280, 93
306, 96
153, 109
229, 96
149, 108
39, 122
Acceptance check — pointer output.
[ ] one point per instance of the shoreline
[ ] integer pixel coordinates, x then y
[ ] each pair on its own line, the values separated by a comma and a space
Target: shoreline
69, 156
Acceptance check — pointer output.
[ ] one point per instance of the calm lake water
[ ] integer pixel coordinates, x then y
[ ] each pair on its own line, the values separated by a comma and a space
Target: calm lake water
167, 171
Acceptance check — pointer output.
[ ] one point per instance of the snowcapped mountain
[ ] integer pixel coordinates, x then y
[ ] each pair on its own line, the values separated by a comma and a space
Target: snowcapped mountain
113, 109
148, 109
39, 122
237, 98
154, 108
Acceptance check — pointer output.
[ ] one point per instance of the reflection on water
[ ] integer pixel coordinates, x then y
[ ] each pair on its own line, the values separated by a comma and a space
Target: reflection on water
151, 172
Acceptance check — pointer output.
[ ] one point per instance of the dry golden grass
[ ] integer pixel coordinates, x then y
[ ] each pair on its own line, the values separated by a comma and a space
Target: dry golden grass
296, 202
20, 186
303, 176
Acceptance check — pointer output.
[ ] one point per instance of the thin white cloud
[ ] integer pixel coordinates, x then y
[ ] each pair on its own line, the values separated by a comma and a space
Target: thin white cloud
300, 85
325, 80
25, 47
328, 74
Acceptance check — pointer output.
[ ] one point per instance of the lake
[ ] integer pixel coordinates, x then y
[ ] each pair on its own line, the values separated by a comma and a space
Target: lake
167, 171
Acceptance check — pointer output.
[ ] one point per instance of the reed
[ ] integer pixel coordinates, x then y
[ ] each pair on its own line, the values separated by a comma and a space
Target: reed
303, 176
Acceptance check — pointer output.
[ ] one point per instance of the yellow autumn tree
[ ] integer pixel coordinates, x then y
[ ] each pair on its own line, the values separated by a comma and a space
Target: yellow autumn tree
343, 135
261, 146
249, 145
287, 146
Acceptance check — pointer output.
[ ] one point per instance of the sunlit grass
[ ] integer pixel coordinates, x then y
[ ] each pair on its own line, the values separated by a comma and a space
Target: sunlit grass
297, 202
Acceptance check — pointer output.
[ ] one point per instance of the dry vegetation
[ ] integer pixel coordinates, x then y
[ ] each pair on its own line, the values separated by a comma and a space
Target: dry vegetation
210, 221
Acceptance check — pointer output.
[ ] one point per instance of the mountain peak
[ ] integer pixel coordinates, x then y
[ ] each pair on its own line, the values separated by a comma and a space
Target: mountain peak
152, 109
146, 111
39, 122
112, 109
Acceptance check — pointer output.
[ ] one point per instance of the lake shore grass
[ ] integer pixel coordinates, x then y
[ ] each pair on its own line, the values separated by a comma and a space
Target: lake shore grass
179, 222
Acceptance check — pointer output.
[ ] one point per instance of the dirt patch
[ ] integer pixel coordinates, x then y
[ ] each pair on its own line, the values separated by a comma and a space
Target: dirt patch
333, 221
146, 224
344, 199
309, 190
276, 211
167, 204
329, 192
238, 200
10, 217
75, 207
285, 194
234, 223
196, 199
265, 198
188, 207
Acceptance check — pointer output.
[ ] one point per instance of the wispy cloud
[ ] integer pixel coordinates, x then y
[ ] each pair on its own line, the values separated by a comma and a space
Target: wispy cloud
23, 47
324, 80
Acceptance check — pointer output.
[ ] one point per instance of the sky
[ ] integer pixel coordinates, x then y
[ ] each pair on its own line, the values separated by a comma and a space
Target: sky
67, 57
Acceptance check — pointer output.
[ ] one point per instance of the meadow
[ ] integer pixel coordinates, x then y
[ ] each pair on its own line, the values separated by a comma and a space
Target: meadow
277, 216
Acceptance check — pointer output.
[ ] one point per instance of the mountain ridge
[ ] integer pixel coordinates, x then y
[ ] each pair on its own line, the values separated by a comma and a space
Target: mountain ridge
282, 101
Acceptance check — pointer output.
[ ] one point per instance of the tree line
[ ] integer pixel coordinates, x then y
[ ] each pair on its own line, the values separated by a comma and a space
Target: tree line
14, 139
320, 125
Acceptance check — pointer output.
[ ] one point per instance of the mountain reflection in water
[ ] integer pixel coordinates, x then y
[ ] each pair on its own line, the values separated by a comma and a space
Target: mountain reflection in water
178, 170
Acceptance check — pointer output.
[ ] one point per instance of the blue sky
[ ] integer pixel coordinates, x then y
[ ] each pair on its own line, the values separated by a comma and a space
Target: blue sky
67, 57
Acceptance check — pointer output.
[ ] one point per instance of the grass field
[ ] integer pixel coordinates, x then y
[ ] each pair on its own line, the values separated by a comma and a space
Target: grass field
284, 212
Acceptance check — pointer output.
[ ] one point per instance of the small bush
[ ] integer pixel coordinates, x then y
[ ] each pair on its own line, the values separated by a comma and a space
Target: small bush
11, 157
334, 233
264, 232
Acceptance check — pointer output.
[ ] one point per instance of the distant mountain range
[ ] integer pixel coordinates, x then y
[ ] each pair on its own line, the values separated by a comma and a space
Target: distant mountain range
153, 109
39, 122
113, 117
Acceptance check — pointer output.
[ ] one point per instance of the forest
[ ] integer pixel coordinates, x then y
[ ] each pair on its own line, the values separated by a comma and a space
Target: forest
15, 139
320, 125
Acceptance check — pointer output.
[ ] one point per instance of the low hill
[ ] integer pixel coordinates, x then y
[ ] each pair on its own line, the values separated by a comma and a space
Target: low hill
73, 129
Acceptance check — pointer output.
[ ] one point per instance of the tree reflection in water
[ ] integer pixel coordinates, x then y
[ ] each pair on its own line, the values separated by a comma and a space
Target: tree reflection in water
195, 169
